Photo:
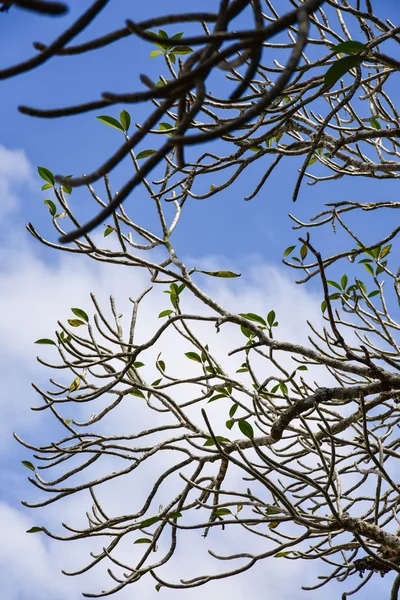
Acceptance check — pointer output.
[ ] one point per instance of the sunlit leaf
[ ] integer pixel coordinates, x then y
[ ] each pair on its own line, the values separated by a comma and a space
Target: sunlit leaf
165, 313
76, 322
110, 121
155, 53
288, 251
138, 393
227, 274
193, 356
125, 119
52, 207
145, 154
182, 50
108, 230
46, 175
75, 385
28, 465
45, 341
80, 313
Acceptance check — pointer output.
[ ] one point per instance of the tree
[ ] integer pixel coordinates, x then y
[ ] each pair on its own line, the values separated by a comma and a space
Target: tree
320, 458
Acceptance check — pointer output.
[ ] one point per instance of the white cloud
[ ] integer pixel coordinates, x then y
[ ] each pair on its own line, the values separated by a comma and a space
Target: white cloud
15, 171
35, 295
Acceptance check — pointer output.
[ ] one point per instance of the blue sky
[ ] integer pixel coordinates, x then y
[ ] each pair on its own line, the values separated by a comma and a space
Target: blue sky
39, 285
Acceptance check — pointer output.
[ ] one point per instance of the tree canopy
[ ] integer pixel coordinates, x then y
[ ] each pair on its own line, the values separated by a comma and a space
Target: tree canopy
292, 442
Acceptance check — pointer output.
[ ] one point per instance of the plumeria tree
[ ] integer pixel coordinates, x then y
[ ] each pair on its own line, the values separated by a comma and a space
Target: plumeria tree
292, 443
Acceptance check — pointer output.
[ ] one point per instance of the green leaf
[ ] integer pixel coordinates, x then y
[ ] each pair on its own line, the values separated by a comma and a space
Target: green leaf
67, 421
246, 332
255, 148
156, 382
155, 53
125, 119
254, 317
172, 58
273, 510
283, 388
219, 438
302, 368
173, 515
281, 554
217, 397
149, 522
334, 284
374, 293
340, 68
220, 512
229, 424
137, 365
362, 287
369, 268
288, 251
158, 587
80, 313
52, 207
47, 186
110, 121
143, 541
163, 34
375, 123
145, 154
165, 127
344, 281
75, 322
312, 160
246, 428
46, 175
303, 251
271, 318
45, 341
385, 251
323, 306
137, 393
67, 188
35, 529
193, 356
165, 313
75, 385
108, 230
350, 47
227, 274
161, 364
233, 410
28, 465
273, 524
182, 50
